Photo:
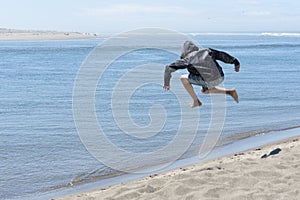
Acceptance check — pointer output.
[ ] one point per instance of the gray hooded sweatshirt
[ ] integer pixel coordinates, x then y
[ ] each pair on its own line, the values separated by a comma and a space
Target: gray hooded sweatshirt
201, 62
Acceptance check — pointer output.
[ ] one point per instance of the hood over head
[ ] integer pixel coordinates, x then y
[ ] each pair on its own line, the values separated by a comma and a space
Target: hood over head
187, 48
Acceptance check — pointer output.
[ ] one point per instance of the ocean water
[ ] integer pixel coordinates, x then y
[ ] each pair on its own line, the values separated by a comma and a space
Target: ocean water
41, 150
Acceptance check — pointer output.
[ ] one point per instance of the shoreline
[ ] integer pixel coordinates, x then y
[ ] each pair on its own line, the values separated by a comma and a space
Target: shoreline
256, 177
28, 35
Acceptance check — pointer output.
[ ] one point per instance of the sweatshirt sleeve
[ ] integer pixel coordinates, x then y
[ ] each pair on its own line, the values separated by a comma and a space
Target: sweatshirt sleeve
224, 57
180, 64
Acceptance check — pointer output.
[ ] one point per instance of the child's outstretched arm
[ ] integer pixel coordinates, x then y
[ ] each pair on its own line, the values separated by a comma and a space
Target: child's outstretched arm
179, 64
226, 58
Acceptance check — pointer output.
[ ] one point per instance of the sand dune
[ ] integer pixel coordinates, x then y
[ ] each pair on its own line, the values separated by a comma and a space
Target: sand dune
270, 172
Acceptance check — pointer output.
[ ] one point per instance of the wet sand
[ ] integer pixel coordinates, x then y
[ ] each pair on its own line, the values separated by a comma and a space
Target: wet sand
268, 172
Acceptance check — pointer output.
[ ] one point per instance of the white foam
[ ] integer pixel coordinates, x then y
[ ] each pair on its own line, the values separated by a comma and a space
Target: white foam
281, 34
274, 34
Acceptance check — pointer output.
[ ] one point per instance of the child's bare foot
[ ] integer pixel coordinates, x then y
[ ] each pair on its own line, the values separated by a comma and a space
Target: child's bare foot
234, 95
196, 104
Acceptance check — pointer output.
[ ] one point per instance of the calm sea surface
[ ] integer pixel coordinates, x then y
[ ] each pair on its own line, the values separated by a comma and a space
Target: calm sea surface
40, 149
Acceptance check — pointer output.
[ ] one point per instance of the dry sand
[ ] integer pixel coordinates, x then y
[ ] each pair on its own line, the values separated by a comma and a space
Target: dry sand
240, 176
12, 34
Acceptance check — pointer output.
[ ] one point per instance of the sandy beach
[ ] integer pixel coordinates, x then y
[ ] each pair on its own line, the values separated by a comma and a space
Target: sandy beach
268, 172
13, 34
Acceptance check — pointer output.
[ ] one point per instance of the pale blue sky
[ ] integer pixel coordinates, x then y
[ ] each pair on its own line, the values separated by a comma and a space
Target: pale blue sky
96, 16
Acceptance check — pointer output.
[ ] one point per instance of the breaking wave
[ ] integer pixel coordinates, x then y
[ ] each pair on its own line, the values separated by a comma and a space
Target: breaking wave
281, 34
273, 34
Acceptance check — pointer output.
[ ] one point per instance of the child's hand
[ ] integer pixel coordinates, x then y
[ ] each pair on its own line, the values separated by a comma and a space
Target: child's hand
166, 87
237, 68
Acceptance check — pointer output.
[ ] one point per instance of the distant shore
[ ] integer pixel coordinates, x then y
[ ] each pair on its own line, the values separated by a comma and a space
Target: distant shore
13, 34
